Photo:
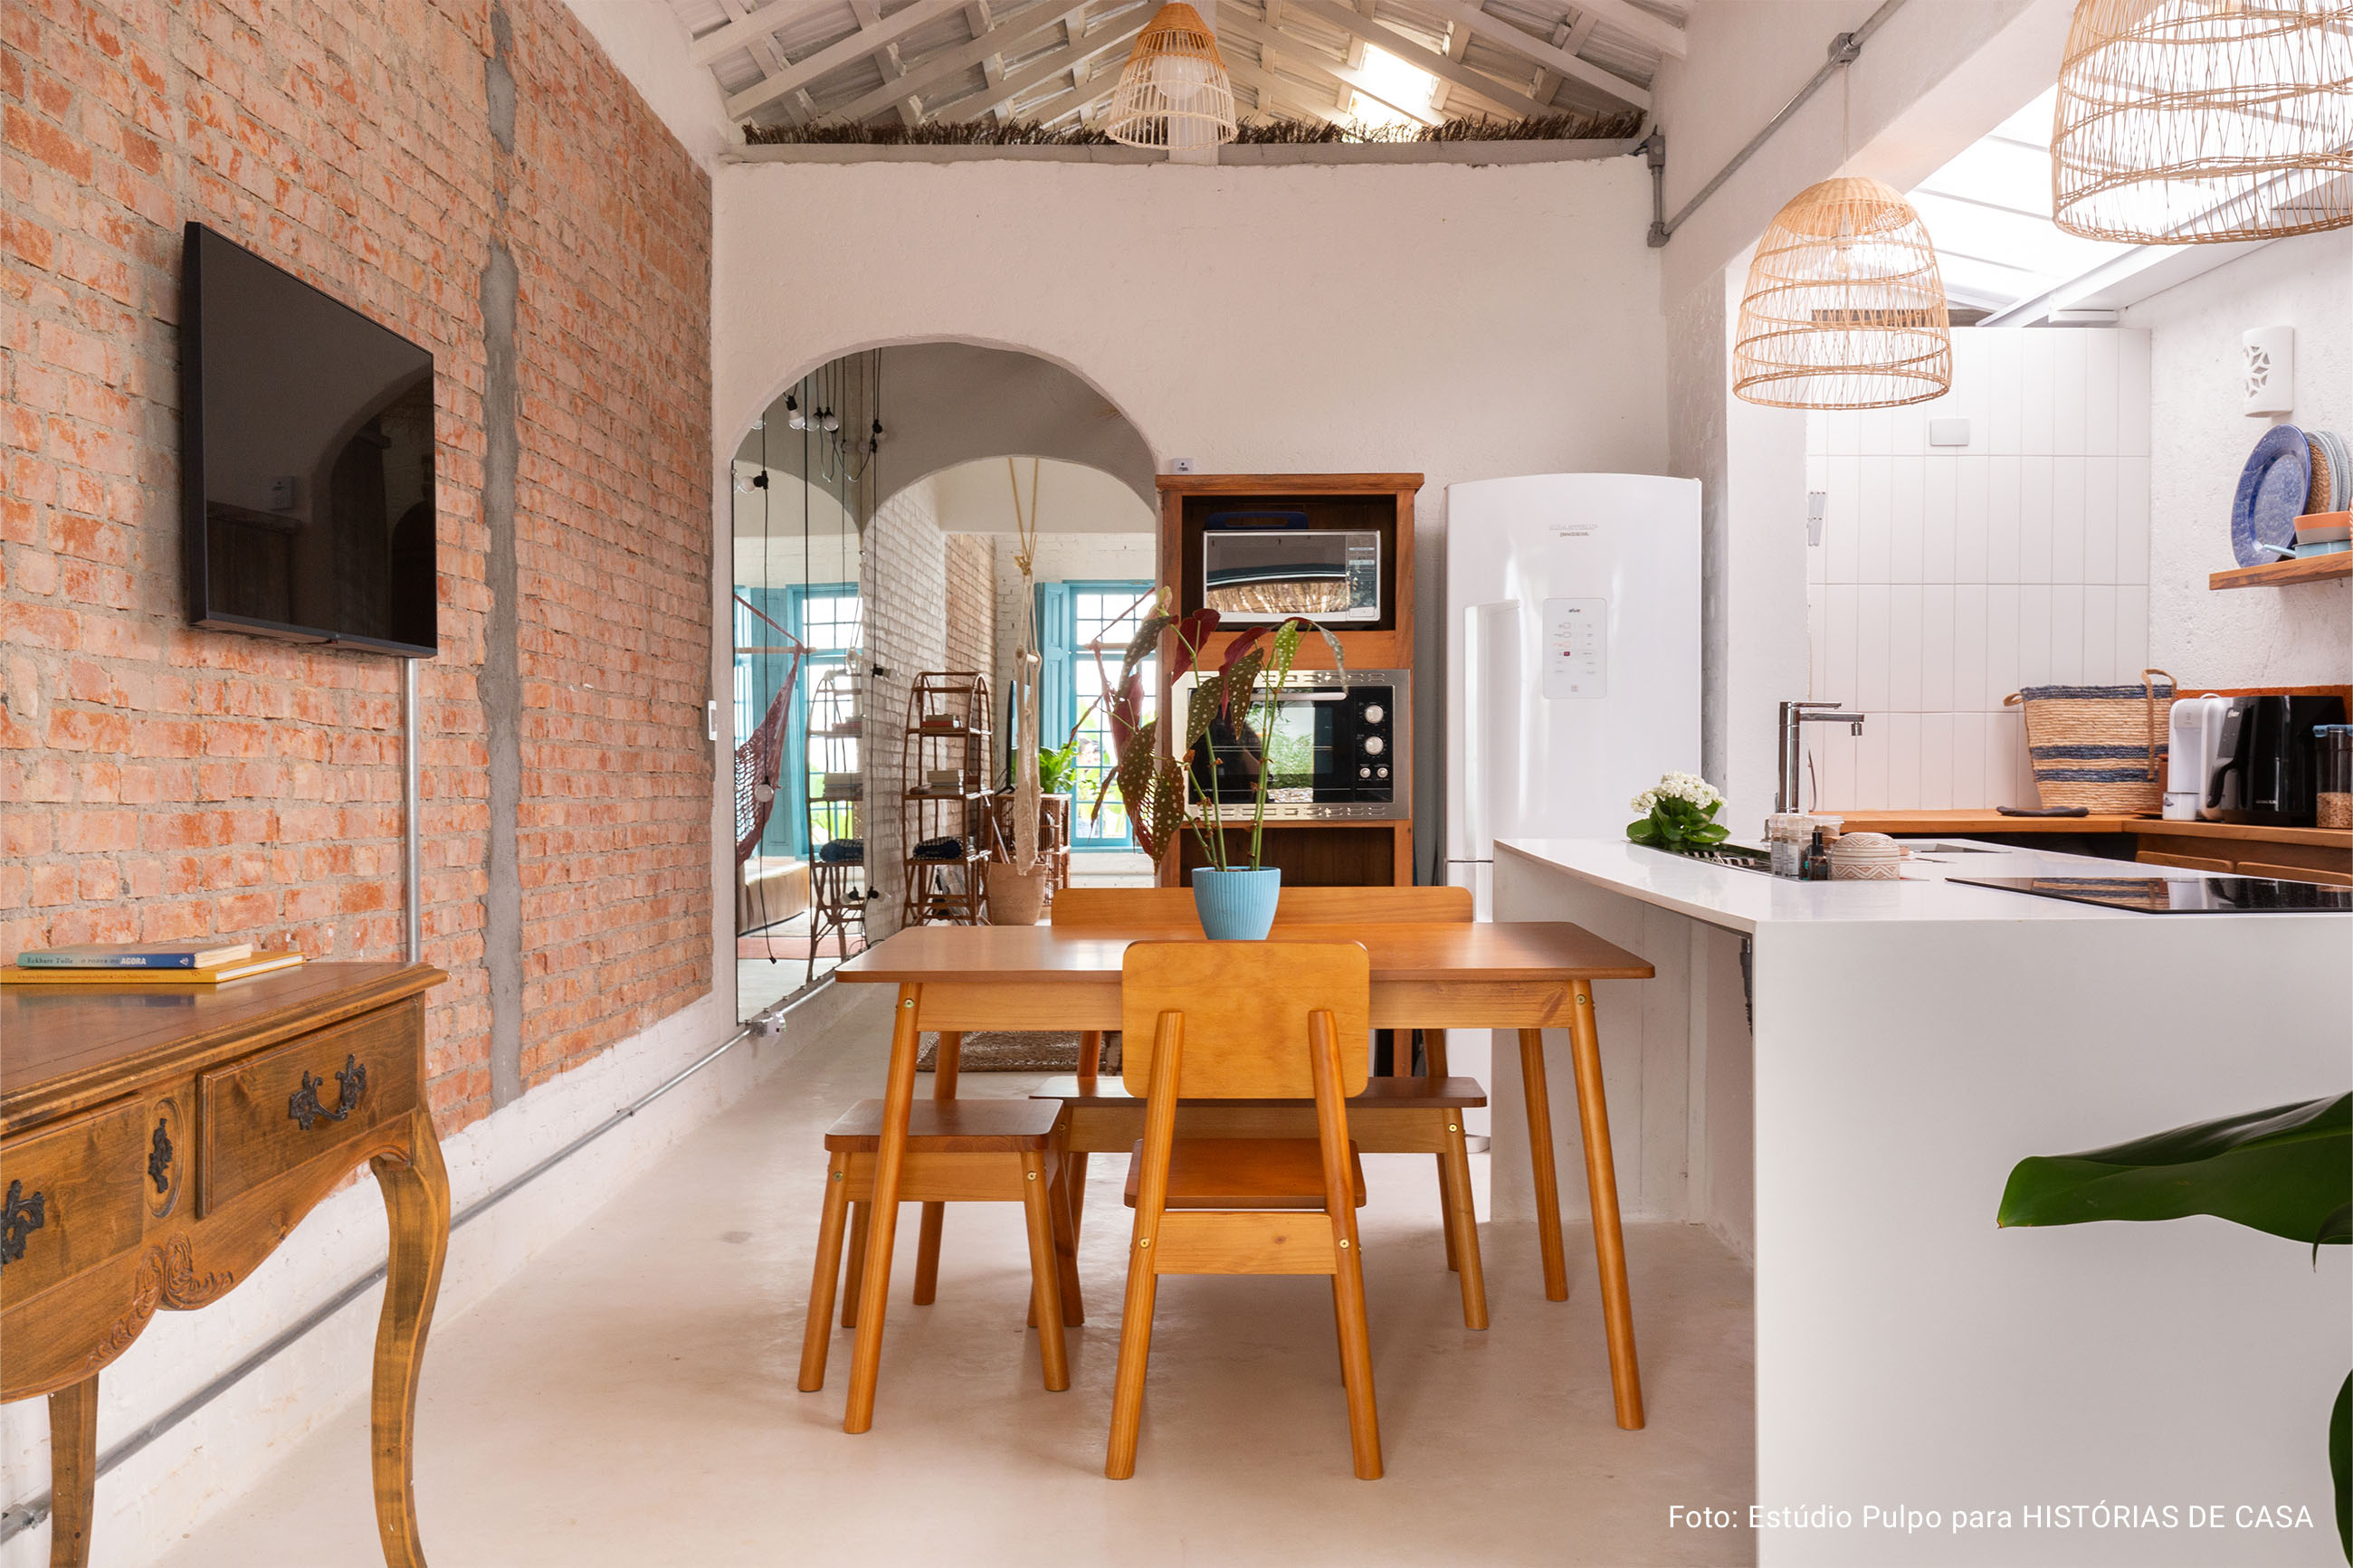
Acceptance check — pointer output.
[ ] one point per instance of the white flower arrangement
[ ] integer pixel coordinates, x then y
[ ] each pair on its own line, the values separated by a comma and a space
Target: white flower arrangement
1688, 787
1678, 814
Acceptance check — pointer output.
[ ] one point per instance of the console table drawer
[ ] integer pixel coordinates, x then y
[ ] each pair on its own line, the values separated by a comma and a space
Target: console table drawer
73, 1196
307, 1098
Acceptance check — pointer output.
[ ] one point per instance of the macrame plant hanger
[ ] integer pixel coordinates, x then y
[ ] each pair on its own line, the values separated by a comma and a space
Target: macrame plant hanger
1026, 666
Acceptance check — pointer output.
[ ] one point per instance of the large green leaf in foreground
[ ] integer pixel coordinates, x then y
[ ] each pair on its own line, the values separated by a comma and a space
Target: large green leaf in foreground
2287, 1170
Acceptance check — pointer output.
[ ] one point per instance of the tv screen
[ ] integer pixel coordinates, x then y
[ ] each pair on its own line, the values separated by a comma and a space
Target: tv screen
306, 460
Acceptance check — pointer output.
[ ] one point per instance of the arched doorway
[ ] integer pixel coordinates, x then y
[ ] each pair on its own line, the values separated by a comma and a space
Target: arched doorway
860, 560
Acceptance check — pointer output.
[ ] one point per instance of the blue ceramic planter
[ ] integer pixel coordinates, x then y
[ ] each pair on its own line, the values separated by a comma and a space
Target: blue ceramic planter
1236, 906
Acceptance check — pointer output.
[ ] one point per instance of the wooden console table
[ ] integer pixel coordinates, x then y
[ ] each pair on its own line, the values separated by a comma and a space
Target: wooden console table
157, 1142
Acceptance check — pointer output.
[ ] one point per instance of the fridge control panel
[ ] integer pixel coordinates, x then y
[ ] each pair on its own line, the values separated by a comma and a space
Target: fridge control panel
1577, 648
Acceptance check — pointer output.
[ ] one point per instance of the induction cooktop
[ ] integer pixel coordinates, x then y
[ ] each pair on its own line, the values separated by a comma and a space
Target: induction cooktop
2179, 894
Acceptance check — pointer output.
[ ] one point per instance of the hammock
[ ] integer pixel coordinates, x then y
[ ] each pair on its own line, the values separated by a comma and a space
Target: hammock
760, 759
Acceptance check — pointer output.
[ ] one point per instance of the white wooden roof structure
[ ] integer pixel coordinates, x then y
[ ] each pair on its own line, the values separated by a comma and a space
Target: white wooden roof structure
854, 61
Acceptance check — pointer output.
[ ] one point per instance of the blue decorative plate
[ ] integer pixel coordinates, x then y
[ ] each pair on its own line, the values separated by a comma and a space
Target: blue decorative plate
2272, 490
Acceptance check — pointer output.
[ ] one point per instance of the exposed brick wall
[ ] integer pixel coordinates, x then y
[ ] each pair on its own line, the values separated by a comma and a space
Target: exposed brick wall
971, 599
163, 781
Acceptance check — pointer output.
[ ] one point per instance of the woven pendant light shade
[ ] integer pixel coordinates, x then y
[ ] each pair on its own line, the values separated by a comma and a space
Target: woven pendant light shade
1844, 307
1173, 91
2195, 122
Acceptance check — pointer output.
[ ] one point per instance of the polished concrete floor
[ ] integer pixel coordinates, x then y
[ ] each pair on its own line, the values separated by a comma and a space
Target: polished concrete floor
629, 1399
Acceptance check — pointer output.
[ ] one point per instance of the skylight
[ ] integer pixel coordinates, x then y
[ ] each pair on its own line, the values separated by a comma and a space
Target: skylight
1400, 87
1989, 211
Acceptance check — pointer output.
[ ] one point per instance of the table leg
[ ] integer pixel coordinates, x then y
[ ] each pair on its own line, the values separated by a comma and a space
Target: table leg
1533, 1088
1433, 1065
1601, 1183
73, 1472
417, 1204
945, 1063
898, 1099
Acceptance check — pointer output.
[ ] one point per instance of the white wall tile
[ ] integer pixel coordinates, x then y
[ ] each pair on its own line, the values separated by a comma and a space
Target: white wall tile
2068, 421
1874, 535
1903, 646
1969, 518
2034, 519
2102, 418
1968, 765
1936, 789
1903, 737
2099, 520
2132, 394
1842, 433
1907, 485
2002, 519
1843, 527
2001, 642
1870, 763
1971, 685
2034, 633
1838, 678
1817, 433
2132, 632
1876, 432
2009, 780
1871, 650
1940, 504
2100, 636
2035, 391
1818, 640
2132, 520
1936, 664
1908, 427
2004, 364
2067, 635
2067, 518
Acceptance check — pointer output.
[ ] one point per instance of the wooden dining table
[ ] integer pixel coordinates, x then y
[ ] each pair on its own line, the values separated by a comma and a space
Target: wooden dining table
1526, 975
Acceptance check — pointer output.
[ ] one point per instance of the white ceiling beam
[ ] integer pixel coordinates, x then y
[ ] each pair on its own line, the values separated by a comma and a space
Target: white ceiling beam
1667, 37
1296, 95
1463, 14
888, 62
1302, 57
1569, 36
842, 52
1382, 36
933, 69
1072, 58
1458, 39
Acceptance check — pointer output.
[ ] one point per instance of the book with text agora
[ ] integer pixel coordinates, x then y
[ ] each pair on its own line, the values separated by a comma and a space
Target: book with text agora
211, 974
138, 955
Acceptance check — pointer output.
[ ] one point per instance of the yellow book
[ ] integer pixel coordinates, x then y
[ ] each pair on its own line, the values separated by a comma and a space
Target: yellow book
259, 963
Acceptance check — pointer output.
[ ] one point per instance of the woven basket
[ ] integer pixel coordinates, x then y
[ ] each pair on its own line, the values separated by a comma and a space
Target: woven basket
2099, 747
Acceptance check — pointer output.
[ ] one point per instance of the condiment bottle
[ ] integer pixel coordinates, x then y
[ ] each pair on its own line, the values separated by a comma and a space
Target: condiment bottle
1816, 865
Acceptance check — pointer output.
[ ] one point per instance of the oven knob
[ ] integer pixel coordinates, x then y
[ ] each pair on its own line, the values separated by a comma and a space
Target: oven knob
1375, 745
1385, 773
1375, 713
1366, 773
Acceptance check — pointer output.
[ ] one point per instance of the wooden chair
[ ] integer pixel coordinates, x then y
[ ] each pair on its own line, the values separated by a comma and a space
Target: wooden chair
1395, 1115
1247, 1021
1005, 1150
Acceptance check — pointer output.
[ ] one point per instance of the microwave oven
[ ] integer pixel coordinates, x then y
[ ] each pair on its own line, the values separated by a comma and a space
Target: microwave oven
1340, 750
1258, 568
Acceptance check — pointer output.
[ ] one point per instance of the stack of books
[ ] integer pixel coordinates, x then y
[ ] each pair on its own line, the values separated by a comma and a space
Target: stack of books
114, 963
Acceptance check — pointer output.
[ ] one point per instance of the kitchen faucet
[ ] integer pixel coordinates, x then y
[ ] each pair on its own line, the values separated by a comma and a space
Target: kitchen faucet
1785, 794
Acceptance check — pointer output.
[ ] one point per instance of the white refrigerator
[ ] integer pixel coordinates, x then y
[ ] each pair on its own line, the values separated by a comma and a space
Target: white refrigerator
1572, 656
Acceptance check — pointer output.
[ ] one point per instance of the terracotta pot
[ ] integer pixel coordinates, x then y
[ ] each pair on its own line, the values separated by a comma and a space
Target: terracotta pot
1014, 898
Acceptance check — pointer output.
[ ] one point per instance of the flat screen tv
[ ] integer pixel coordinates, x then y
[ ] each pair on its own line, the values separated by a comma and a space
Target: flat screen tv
306, 460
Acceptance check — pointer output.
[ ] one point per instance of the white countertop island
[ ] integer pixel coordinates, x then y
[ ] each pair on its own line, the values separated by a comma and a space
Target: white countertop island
1912, 1042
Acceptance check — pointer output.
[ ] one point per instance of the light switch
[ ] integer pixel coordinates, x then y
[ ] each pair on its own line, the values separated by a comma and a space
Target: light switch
1948, 432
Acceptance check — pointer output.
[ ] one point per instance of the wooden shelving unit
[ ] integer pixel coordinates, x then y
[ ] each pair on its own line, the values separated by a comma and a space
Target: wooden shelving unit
2284, 573
837, 736
948, 727
1338, 853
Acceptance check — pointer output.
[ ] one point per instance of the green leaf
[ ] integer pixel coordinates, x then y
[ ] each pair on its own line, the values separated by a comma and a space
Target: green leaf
1643, 832
1709, 833
2285, 1170
2340, 1461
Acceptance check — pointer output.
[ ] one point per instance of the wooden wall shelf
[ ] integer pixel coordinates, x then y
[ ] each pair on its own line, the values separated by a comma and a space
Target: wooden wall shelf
2285, 573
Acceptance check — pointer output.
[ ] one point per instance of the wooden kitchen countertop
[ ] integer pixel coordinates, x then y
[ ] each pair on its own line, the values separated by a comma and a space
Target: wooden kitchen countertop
1964, 822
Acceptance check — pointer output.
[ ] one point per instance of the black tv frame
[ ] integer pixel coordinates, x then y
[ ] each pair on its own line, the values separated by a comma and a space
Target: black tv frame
194, 528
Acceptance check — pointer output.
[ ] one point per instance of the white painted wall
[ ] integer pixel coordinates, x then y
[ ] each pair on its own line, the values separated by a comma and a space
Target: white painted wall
902, 582
2248, 636
1465, 322
1949, 576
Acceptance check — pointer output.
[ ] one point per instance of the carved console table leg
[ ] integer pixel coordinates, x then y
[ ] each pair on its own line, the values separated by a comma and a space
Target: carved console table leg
416, 1203
73, 1472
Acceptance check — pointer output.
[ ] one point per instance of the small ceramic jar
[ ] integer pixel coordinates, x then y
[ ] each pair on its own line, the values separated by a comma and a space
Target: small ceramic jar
1866, 858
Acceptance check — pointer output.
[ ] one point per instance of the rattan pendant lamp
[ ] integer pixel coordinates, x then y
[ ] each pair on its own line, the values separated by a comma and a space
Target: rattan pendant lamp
2197, 121
1173, 91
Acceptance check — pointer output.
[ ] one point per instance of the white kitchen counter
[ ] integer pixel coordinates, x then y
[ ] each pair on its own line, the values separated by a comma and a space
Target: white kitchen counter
1911, 1042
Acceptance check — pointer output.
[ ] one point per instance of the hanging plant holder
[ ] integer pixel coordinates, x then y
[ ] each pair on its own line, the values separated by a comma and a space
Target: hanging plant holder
1173, 91
1844, 307
2201, 122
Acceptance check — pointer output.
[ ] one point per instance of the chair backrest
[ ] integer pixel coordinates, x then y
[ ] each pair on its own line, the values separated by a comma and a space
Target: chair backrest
1123, 909
1388, 906
1245, 1007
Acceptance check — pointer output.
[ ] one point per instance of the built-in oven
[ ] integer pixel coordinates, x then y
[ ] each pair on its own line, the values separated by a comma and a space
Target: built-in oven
1338, 745
1260, 566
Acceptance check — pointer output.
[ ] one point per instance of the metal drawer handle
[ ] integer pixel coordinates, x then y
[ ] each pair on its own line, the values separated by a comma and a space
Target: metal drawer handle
20, 1216
303, 1105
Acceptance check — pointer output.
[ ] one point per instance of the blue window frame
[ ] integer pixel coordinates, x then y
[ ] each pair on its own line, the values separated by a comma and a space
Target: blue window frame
829, 619
1073, 617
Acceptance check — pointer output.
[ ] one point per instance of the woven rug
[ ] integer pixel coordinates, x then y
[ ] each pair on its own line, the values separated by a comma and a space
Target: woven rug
1019, 1050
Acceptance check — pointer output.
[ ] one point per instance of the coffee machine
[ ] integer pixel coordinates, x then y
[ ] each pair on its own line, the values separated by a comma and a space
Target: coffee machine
2263, 772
